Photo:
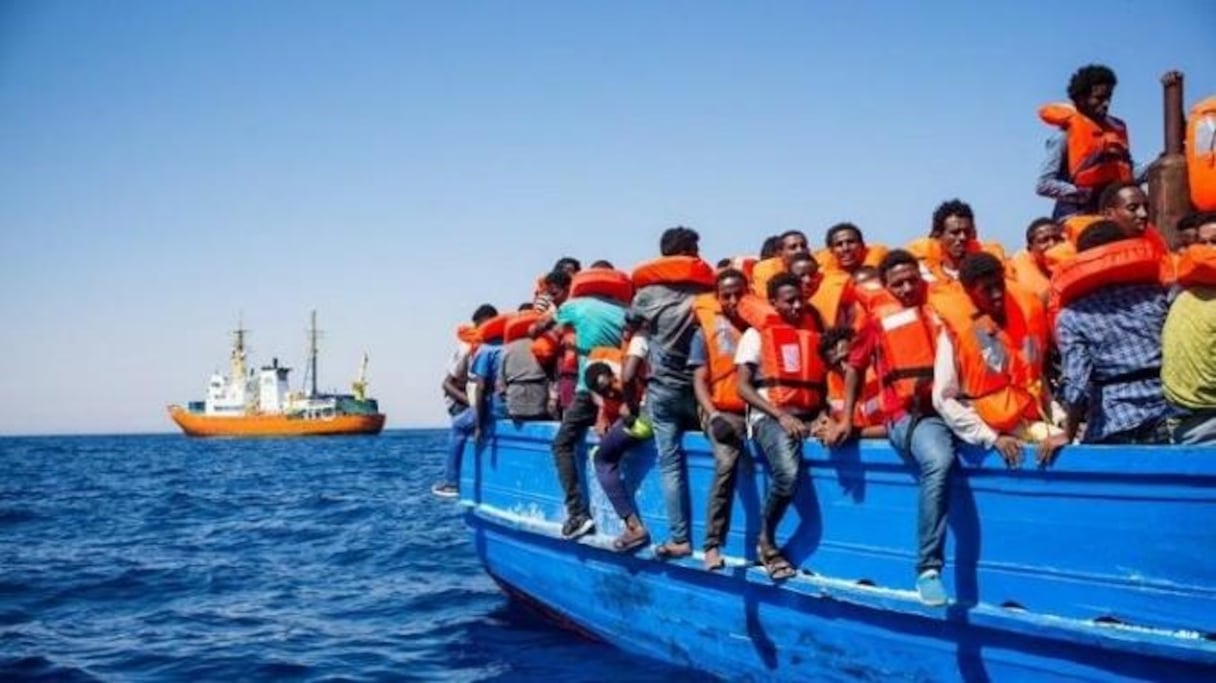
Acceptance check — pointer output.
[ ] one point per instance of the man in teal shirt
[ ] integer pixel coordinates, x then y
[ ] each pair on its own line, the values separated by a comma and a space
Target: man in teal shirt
596, 322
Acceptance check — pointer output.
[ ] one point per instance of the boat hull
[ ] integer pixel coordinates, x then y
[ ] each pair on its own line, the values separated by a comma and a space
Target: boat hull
1099, 570
194, 424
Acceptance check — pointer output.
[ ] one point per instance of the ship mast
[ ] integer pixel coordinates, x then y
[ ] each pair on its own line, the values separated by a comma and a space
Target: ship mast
312, 354
237, 362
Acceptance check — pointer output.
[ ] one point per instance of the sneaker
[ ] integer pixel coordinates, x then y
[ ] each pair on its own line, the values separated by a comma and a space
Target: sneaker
445, 490
929, 586
576, 526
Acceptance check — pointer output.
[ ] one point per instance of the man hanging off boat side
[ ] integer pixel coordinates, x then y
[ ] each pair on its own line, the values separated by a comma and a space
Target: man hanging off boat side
665, 289
456, 396
595, 312
781, 378
1091, 149
897, 337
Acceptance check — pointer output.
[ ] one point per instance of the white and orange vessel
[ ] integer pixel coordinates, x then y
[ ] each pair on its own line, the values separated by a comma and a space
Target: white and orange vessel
245, 404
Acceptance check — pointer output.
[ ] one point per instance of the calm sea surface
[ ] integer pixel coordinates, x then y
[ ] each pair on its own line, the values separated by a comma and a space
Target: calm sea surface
167, 558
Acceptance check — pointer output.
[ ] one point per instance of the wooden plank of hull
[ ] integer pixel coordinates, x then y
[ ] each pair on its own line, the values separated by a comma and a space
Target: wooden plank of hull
194, 424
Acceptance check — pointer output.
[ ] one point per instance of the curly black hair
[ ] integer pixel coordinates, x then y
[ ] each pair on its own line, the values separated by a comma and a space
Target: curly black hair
483, 313
679, 241
894, 258
1195, 220
782, 280
1110, 194
831, 338
979, 265
1098, 234
770, 247
1083, 81
953, 207
730, 273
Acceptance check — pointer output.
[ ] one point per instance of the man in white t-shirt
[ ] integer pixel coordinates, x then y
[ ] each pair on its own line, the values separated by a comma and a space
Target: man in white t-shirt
777, 429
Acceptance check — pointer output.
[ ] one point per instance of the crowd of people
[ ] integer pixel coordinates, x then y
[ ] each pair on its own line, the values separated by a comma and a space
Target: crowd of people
1096, 331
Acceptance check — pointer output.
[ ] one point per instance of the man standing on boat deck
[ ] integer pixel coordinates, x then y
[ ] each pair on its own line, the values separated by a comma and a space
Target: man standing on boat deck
898, 335
666, 308
456, 385
789, 244
1091, 149
1188, 368
596, 321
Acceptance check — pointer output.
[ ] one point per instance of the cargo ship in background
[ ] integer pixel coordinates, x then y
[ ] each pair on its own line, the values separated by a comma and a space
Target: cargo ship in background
245, 403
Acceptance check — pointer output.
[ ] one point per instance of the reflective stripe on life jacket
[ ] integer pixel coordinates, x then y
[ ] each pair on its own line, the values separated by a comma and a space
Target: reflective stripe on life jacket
1097, 154
1197, 265
1201, 154
674, 270
867, 412
1000, 369
790, 366
721, 340
602, 282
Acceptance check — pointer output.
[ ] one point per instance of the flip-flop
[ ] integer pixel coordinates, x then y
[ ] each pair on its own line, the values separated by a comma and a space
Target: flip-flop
720, 563
622, 545
664, 551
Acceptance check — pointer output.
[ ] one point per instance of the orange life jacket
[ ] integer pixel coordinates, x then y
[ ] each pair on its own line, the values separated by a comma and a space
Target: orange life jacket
1197, 266
764, 271
467, 333
674, 270
790, 366
518, 325
907, 343
1201, 154
493, 329
567, 364
833, 296
872, 255
931, 255
1127, 261
1000, 369
721, 339
1097, 155
868, 410
1024, 269
1075, 224
603, 282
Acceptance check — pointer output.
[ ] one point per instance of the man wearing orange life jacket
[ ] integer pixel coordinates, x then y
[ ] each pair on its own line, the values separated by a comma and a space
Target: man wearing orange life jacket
847, 250
896, 339
595, 312
1188, 370
1028, 267
830, 295
1127, 205
564, 367
1113, 307
712, 357
781, 378
544, 299
790, 243
1091, 149
456, 386
522, 378
867, 417
951, 237
484, 405
1188, 228
988, 373
665, 290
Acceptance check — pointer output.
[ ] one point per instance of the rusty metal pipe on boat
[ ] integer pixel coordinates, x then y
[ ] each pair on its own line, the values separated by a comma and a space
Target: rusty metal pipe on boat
1169, 194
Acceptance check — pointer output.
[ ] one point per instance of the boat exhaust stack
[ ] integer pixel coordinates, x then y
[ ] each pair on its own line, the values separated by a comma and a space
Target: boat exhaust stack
1169, 194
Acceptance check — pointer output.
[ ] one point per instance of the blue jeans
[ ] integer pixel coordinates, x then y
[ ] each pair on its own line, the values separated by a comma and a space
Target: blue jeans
932, 446
670, 412
462, 428
613, 446
784, 455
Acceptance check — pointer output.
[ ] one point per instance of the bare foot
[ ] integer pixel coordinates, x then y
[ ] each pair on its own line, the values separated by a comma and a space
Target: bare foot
713, 560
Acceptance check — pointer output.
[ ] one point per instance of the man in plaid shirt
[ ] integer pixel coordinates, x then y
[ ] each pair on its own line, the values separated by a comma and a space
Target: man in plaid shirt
1110, 345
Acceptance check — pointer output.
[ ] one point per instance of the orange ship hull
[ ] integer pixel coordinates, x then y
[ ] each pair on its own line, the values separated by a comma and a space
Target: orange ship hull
194, 424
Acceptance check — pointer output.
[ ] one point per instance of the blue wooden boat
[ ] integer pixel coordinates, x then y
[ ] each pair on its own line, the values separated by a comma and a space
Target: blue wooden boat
1103, 568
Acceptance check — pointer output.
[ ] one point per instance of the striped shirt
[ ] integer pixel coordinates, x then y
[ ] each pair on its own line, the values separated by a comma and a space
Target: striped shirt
1110, 347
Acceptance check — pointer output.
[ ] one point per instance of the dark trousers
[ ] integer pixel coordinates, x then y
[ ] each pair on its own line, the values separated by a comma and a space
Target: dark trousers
576, 420
613, 446
722, 490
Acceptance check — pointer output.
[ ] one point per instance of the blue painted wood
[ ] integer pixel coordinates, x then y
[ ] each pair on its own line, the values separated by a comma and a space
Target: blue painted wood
1035, 559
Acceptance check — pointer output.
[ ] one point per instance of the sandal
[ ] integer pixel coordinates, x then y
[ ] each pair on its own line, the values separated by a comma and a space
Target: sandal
777, 567
714, 560
671, 551
631, 539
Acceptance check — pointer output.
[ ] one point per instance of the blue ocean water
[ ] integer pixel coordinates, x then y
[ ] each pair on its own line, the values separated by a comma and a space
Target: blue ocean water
169, 558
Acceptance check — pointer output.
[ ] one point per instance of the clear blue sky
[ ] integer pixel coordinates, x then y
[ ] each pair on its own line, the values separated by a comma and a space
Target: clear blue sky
168, 165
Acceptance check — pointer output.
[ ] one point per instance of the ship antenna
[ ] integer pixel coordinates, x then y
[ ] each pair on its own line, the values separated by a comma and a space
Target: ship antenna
312, 354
